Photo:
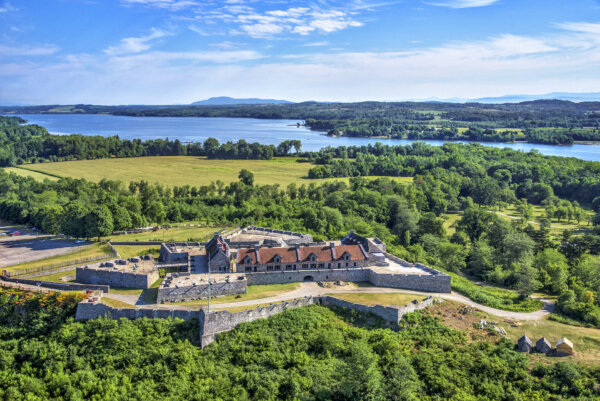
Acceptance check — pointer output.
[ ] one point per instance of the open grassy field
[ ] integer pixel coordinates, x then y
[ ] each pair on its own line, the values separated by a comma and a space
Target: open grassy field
179, 170
557, 226
29, 173
73, 257
177, 233
379, 299
254, 292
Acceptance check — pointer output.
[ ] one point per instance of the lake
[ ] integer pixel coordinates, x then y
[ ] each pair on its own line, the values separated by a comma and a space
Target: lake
198, 129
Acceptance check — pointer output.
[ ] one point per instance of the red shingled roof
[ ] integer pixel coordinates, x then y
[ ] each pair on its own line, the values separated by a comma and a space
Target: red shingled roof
289, 255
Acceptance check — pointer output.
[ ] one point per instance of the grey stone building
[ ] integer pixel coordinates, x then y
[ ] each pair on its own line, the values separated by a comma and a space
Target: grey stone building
217, 251
543, 346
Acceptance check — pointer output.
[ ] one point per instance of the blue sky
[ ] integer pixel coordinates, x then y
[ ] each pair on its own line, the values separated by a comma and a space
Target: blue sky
179, 51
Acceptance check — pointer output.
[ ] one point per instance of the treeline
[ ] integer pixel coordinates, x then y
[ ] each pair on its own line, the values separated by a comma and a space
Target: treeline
310, 353
502, 175
33, 144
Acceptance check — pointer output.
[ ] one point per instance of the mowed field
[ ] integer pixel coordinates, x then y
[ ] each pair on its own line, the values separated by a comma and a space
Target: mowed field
178, 170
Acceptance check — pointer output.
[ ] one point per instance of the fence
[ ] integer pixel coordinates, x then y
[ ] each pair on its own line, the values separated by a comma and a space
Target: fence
51, 266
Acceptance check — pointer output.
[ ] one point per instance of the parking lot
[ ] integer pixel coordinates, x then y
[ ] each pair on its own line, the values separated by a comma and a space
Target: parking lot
17, 250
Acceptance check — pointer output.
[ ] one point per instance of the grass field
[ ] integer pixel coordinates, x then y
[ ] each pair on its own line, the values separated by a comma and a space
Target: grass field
129, 251
178, 233
29, 173
81, 253
254, 292
55, 277
116, 303
179, 170
557, 226
379, 299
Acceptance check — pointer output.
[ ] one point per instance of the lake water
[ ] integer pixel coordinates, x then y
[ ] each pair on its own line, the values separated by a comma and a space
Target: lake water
198, 129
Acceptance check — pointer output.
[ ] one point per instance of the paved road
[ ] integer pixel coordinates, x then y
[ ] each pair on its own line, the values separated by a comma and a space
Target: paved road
313, 289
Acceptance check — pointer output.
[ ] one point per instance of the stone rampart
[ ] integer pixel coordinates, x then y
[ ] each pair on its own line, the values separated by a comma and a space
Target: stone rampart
221, 321
116, 278
216, 322
200, 291
421, 282
293, 276
59, 286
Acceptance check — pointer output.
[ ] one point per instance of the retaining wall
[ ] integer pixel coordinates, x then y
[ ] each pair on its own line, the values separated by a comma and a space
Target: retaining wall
93, 310
427, 282
200, 291
59, 286
115, 278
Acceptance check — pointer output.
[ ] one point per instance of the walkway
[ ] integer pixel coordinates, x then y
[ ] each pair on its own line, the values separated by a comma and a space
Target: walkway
314, 290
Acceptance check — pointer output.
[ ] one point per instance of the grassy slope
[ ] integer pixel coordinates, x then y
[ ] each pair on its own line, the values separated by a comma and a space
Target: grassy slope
180, 170
29, 173
55, 276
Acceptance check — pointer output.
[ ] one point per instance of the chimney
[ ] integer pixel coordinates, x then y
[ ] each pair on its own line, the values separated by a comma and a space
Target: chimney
332, 248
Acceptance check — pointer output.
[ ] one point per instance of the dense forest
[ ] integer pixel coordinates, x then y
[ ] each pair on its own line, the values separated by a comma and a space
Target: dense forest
33, 144
310, 353
455, 178
553, 122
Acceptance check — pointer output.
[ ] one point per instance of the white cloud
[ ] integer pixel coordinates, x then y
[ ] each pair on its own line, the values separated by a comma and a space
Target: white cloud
6, 7
173, 5
27, 51
489, 67
583, 27
271, 23
464, 3
135, 44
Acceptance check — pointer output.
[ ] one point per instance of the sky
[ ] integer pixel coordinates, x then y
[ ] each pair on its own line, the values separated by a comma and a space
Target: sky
180, 51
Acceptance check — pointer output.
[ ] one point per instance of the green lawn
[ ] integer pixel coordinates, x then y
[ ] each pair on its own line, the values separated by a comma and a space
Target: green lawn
179, 233
73, 257
116, 304
379, 299
557, 226
55, 276
254, 292
129, 251
179, 170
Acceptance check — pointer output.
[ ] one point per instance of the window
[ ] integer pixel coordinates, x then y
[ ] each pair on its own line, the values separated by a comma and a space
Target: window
354, 264
269, 268
321, 265
305, 266
277, 267
346, 264
288, 267
313, 265
248, 268
339, 265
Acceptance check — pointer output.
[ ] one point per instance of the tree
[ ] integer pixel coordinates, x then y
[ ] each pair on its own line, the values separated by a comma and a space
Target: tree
553, 269
526, 276
517, 248
74, 220
475, 222
98, 222
156, 212
246, 177
481, 259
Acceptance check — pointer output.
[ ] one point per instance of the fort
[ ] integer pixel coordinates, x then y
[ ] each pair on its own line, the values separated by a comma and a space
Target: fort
213, 323
135, 273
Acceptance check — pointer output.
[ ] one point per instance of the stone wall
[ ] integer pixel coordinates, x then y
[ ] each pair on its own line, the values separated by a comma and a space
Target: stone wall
93, 310
116, 278
221, 321
59, 286
215, 322
200, 291
427, 282
292, 276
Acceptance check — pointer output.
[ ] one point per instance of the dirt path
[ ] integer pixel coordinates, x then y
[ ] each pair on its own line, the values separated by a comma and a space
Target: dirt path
313, 289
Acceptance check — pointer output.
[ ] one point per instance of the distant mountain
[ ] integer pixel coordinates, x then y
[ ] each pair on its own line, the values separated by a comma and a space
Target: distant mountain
571, 96
226, 101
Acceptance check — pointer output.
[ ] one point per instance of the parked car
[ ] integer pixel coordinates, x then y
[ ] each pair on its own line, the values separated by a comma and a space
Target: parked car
79, 241
15, 233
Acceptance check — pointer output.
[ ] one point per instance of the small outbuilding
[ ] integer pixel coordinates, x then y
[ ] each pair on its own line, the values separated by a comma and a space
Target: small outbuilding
524, 344
543, 346
564, 347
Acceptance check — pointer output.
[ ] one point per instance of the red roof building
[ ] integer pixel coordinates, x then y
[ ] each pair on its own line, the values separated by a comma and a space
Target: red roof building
301, 257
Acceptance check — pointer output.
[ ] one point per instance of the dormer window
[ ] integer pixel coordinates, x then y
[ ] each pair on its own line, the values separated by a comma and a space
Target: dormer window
313, 257
346, 256
248, 260
277, 259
